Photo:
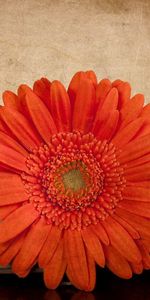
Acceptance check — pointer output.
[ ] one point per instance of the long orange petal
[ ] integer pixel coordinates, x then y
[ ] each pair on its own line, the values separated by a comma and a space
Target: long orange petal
54, 271
137, 162
101, 233
45, 125
124, 91
50, 246
137, 207
13, 159
137, 268
10, 99
76, 256
84, 106
17, 221
146, 111
92, 275
126, 134
92, 76
74, 86
60, 106
20, 127
141, 224
136, 194
135, 174
131, 230
91, 270
117, 263
11, 251
6, 210
135, 149
102, 90
110, 104
121, 240
16, 191
131, 110
42, 89
34, 241
6, 140
145, 254
94, 246
107, 130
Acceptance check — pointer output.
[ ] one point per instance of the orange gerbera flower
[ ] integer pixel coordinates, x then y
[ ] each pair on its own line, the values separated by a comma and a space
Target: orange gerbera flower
75, 179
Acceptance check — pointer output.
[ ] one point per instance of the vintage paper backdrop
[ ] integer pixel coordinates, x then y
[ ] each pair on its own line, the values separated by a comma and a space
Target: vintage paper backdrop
56, 38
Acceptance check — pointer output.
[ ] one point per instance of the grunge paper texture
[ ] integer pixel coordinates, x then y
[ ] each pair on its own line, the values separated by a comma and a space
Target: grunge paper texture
56, 38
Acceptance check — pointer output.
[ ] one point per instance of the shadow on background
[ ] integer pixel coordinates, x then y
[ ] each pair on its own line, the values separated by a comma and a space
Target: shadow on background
108, 287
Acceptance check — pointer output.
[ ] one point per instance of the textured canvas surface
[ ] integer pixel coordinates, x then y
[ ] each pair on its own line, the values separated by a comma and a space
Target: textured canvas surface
56, 38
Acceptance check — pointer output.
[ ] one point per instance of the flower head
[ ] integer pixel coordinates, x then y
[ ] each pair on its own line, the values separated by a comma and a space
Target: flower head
75, 179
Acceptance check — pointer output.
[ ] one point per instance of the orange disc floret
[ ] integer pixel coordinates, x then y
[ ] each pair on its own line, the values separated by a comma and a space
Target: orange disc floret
75, 179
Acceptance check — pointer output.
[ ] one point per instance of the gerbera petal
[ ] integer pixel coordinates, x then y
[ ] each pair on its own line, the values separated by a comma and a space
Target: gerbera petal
136, 207
6, 140
74, 279
50, 246
141, 224
147, 244
139, 161
92, 274
7, 256
101, 233
146, 111
7, 209
143, 184
5, 246
117, 82
92, 76
10, 99
135, 149
121, 240
54, 271
20, 127
76, 256
45, 126
34, 241
60, 106
84, 105
135, 174
137, 268
124, 91
107, 130
42, 89
126, 134
94, 246
102, 91
145, 254
11, 189
13, 159
136, 194
131, 110
74, 85
117, 263
131, 230
110, 104
91, 270
17, 221
145, 129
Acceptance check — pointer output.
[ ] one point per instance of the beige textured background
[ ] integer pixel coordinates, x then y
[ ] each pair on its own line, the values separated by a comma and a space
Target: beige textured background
57, 38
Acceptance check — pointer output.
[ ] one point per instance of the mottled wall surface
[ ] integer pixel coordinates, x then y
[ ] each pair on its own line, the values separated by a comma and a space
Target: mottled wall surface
57, 38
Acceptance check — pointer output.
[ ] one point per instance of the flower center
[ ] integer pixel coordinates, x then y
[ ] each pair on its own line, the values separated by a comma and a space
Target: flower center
75, 180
